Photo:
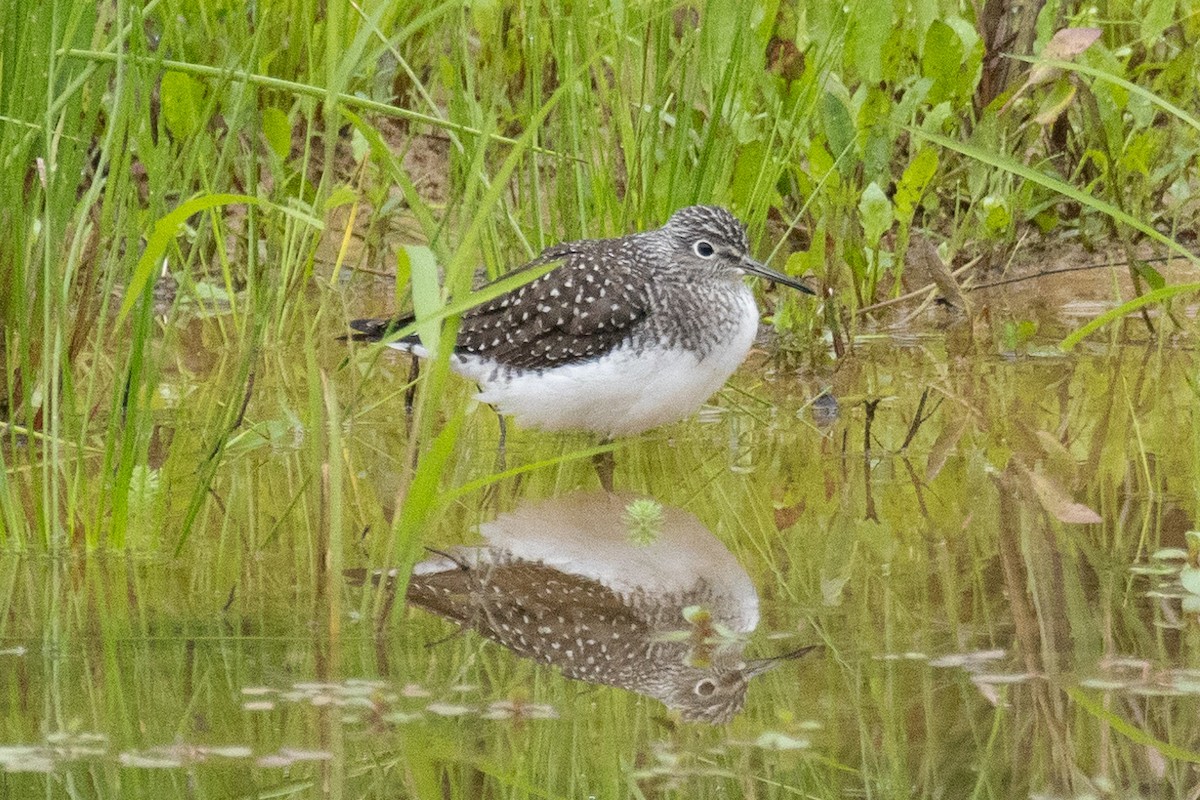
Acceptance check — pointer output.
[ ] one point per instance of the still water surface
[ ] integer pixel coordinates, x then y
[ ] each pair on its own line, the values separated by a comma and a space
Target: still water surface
948, 568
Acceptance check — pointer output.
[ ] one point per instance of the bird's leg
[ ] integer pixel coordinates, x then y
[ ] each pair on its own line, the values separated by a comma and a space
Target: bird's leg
385, 609
605, 465
491, 494
410, 394
502, 444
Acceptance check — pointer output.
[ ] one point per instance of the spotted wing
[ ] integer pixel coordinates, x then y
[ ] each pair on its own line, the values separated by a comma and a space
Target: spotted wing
576, 624
576, 312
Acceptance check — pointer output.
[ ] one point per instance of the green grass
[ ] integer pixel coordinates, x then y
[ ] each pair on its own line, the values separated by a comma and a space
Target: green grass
259, 157
293, 166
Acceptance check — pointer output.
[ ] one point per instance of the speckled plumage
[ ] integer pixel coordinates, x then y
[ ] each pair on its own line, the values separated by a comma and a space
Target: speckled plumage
563, 582
591, 633
664, 311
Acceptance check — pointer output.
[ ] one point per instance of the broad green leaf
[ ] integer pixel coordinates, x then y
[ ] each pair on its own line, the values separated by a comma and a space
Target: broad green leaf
426, 290
937, 119
1014, 335
913, 182
341, 196
1150, 275
1159, 15
766, 12
487, 17
871, 27
1193, 541
876, 132
726, 23
403, 276
211, 293
1046, 220
876, 212
996, 217
1142, 151
359, 146
1055, 103
820, 159
746, 169
941, 58
277, 130
1170, 554
182, 98
839, 128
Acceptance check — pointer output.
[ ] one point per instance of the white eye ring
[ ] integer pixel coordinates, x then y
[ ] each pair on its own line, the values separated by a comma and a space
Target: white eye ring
703, 249
705, 687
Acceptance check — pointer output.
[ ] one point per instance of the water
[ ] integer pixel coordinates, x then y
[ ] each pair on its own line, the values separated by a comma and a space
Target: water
987, 543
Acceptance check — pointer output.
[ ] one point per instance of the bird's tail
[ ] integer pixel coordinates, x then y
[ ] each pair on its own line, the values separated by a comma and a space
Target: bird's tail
373, 330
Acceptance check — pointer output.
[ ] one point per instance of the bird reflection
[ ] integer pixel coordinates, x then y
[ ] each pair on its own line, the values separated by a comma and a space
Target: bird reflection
608, 589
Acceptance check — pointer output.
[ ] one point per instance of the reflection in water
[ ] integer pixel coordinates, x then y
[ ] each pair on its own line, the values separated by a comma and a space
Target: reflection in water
609, 590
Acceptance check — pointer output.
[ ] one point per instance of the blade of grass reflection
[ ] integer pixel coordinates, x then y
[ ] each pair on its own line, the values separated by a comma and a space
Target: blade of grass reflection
1156, 296
451, 496
273, 534
14, 529
330, 558
41, 436
1128, 729
419, 501
1142, 461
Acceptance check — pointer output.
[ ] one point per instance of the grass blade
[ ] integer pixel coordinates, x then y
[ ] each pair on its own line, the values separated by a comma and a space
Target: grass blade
161, 237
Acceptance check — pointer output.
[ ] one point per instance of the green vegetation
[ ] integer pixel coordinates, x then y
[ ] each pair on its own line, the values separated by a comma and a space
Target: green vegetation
254, 158
196, 196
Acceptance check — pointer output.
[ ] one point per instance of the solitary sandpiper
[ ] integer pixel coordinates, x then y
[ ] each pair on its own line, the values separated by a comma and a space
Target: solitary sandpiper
624, 335
652, 603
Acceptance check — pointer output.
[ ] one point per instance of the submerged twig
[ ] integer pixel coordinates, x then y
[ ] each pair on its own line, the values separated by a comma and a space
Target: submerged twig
918, 419
1049, 272
870, 406
917, 292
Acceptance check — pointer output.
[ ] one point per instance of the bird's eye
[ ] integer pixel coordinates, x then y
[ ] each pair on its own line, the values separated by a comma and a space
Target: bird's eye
705, 687
704, 249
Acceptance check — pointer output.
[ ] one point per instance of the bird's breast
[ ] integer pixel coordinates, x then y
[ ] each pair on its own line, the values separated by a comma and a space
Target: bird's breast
662, 373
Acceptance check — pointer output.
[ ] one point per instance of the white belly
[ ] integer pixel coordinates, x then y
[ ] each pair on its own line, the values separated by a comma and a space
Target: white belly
622, 393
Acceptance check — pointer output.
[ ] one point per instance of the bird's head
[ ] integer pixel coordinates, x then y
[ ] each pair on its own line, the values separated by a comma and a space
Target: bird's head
716, 692
710, 239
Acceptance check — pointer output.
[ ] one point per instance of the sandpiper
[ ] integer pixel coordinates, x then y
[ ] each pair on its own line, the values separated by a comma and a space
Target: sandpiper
653, 603
622, 336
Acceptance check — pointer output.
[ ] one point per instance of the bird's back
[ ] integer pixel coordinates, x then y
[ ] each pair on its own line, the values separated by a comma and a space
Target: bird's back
623, 335
581, 309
